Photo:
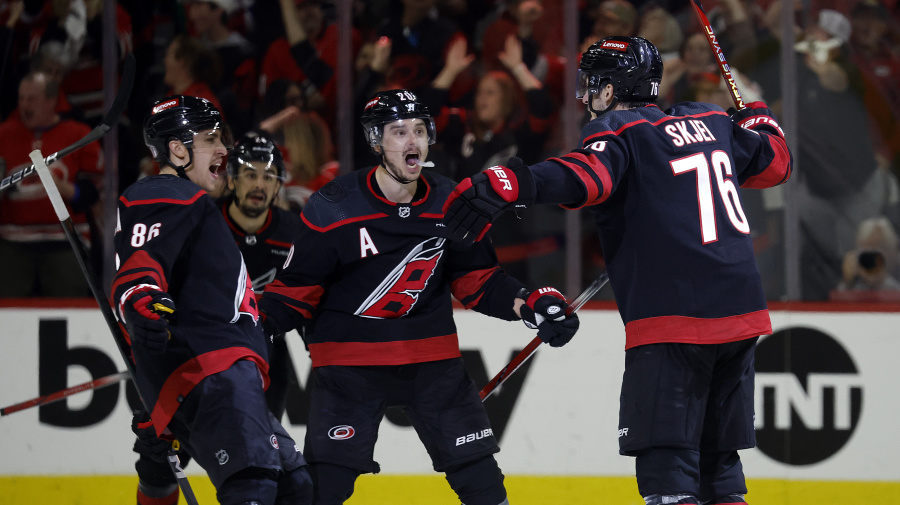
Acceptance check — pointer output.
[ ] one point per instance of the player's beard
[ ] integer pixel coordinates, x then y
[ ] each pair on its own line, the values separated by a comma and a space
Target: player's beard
399, 173
249, 209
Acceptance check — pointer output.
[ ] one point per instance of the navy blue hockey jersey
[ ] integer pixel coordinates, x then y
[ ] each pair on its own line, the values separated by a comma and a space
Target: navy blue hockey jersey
266, 251
171, 236
376, 277
663, 187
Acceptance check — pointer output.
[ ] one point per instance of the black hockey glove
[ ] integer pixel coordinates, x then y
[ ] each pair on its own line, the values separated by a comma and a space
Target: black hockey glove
476, 201
147, 443
756, 116
145, 310
546, 310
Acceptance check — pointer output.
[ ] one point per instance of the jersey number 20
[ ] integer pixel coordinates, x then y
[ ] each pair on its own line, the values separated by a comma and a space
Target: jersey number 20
720, 165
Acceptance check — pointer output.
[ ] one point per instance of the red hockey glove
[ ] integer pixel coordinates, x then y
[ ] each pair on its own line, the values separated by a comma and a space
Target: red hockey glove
756, 116
476, 201
144, 309
546, 310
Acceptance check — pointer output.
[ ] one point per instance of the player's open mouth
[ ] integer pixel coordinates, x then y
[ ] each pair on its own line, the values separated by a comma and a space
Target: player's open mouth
257, 196
412, 160
214, 169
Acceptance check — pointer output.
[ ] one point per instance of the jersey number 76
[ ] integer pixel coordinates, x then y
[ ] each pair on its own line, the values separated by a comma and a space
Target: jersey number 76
720, 165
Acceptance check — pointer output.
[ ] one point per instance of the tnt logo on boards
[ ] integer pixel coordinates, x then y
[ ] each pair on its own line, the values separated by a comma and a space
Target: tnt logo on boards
808, 396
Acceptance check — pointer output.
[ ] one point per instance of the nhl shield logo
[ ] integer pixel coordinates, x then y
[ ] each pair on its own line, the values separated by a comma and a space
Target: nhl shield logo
222, 456
250, 239
403, 211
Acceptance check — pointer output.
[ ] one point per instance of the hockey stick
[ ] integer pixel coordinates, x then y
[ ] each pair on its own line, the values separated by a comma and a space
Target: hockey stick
724, 69
109, 121
532, 346
99, 294
100, 383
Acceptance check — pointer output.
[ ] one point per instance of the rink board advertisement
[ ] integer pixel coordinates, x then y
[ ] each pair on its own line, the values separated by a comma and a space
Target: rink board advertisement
826, 401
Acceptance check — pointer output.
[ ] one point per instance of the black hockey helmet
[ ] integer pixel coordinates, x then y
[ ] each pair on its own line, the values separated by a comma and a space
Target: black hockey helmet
631, 64
257, 148
394, 105
180, 117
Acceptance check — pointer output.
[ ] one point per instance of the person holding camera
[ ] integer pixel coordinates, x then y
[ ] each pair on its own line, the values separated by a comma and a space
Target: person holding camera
872, 265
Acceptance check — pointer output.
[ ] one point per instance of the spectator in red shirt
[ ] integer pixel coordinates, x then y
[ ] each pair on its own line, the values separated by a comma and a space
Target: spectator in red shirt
31, 238
307, 54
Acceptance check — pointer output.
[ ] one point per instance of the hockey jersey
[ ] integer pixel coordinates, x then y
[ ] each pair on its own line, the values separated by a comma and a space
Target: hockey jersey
376, 277
663, 187
170, 234
266, 251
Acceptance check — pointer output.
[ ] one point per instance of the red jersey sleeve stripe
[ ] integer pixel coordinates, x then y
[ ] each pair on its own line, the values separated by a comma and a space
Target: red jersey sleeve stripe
592, 173
779, 169
467, 289
140, 264
303, 299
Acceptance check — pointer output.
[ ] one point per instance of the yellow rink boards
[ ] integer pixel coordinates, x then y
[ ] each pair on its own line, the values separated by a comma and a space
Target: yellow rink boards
433, 490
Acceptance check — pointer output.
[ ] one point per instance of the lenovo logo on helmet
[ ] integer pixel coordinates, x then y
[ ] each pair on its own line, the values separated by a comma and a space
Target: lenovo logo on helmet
165, 105
615, 44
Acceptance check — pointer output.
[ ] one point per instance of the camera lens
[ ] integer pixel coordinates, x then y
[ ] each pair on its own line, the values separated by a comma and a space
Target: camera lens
870, 260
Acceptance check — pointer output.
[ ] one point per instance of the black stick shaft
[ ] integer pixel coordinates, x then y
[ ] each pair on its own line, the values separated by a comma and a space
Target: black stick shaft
532, 346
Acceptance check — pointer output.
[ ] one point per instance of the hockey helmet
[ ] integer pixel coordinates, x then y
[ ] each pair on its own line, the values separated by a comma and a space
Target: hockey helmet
394, 105
256, 148
180, 117
631, 64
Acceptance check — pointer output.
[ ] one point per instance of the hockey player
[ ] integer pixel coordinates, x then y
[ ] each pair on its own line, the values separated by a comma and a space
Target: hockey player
663, 187
183, 293
374, 273
264, 233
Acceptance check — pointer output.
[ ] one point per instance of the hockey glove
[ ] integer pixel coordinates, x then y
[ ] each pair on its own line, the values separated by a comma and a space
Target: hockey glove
145, 310
756, 116
546, 310
147, 443
476, 201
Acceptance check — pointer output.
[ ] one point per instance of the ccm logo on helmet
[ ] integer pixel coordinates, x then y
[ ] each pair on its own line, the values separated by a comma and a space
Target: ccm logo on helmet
618, 46
165, 105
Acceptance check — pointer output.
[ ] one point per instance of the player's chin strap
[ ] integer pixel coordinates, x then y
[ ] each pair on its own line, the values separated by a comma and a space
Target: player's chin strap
179, 169
401, 181
612, 105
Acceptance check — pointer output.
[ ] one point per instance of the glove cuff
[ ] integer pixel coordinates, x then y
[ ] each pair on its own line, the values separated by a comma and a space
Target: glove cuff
527, 188
126, 297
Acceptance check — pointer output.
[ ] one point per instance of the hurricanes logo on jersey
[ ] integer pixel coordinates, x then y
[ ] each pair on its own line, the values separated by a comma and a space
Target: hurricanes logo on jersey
396, 295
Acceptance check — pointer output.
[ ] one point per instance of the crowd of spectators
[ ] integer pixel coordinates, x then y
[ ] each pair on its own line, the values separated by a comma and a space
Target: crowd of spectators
491, 71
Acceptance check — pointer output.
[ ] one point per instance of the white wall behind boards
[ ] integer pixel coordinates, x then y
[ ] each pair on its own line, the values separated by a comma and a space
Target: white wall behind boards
826, 401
